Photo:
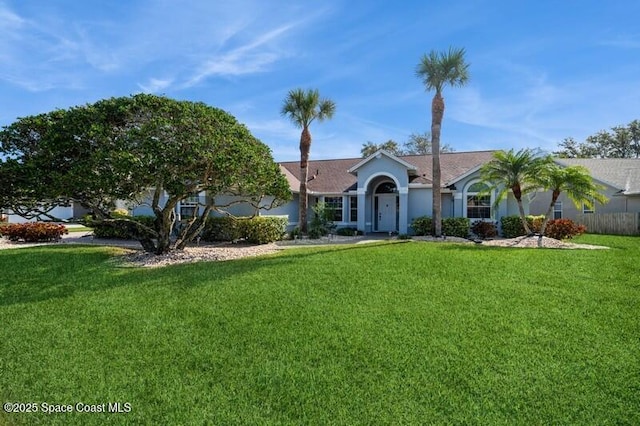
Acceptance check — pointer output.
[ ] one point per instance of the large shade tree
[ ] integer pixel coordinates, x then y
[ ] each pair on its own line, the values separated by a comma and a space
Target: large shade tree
124, 148
438, 70
517, 172
303, 107
620, 142
574, 181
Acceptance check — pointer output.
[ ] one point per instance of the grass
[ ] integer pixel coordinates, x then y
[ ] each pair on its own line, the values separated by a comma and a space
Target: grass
79, 228
404, 333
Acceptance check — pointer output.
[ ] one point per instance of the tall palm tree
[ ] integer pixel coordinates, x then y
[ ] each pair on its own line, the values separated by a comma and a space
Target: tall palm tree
437, 70
575, 181
515, 171
302, 108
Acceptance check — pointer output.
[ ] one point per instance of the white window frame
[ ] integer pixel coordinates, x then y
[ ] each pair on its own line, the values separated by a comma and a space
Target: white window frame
465, 199
335, 208
353, 208
557, 210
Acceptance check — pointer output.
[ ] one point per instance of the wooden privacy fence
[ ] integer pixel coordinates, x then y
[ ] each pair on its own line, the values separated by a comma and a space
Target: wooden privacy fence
611, 223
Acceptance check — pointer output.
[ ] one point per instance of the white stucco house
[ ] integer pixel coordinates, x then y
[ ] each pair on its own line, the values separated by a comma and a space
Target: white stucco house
384, 192
619, 178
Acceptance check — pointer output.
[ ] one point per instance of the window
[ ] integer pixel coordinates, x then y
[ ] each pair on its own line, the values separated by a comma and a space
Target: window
586, 208
334, 205
557, 210
478, 203
353, 209
189, 206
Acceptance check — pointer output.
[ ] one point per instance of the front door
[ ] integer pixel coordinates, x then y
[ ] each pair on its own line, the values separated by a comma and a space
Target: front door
386, 213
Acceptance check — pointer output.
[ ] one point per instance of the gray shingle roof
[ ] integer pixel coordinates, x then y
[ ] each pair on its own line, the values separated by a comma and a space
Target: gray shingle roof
333, 177
620, 173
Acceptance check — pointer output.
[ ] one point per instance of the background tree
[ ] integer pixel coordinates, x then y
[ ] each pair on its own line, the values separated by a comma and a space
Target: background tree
120, 148
417, 144
516, 172
302, 108
420, 144
390, 145
620, 142
437, 70
574, 181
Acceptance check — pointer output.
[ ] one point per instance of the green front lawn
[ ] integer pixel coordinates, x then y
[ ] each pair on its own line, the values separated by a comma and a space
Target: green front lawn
403, 333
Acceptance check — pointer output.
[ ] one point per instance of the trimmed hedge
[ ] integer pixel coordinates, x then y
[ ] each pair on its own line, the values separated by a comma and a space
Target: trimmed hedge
421, 225
256, 230
456, 227
119, 230
347, 232
512, 225
34, 232
451, 226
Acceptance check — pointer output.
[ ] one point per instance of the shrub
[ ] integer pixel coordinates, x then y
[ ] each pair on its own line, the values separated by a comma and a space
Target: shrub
34, 232
222, 229
322, 221
421, 225
484, 229
263, 230
119, 230
257, 230
456, 227
512, 225
561, 229
347, 232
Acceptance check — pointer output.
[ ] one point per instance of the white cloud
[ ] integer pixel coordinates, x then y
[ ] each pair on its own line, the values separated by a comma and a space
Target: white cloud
250, 58
155, 85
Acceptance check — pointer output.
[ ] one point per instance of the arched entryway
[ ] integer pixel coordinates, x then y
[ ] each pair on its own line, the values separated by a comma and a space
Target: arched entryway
386, 207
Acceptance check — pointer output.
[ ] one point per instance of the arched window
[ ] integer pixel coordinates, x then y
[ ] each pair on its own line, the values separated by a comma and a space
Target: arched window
386, 188
478, 201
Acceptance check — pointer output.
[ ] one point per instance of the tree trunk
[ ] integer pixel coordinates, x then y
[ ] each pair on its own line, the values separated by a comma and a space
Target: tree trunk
517, 194
437, 113
543, 228
164, 226
305, 148
193, 229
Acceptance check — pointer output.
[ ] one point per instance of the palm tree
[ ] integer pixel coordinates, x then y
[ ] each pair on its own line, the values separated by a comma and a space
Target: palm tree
515, 171
575, 181
438, 69
303, 107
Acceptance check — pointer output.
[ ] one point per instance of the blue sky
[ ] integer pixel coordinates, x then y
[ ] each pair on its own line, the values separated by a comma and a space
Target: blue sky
540, 70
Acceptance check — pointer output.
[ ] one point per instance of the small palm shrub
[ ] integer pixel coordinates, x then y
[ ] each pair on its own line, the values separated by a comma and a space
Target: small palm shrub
33, 232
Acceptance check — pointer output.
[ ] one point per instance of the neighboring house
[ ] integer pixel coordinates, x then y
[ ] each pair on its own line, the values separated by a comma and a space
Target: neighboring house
620, 178
384, 192
61, 212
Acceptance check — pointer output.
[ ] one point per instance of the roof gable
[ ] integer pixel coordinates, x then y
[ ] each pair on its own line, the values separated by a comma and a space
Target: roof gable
620, 173
336, 176
379, 153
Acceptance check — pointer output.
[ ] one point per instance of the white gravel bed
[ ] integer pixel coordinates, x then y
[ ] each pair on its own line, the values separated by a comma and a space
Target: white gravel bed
532, 242
196, 254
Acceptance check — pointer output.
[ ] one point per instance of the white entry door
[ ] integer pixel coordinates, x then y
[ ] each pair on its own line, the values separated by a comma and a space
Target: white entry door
387, 213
